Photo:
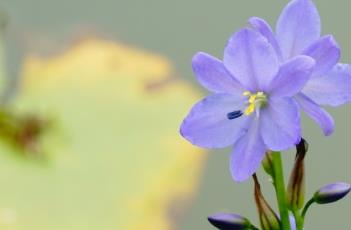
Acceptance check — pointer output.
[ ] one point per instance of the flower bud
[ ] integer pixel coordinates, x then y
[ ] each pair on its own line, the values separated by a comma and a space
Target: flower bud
296, 187
267, 164
268, 218
331, 193
230, 221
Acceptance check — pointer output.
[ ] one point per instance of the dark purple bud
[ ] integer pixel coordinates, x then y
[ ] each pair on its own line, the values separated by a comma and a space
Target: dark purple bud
331, 193
230, 221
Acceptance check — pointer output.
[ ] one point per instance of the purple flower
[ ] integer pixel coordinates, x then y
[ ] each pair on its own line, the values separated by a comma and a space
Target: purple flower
251, 105
298, 32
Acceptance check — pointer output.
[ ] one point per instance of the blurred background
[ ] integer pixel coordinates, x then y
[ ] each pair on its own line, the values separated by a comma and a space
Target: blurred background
93, 93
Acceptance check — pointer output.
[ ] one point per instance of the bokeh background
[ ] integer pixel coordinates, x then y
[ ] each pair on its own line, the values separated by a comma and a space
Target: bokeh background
112, 81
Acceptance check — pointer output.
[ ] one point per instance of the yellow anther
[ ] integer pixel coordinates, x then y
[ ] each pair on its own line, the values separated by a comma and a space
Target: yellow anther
247, 93
261, 94
252, 98
256, 99
250, 109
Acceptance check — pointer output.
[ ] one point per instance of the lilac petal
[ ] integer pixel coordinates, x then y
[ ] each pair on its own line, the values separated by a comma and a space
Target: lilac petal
265, 29
333, 89
212, 74
298, 27
325, 52
292, 76
251, 59
208, 126
280, 124
248, 153
317, 113
292, 222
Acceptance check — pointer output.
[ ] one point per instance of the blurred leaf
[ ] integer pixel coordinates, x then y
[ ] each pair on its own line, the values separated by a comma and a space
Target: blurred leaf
122, 164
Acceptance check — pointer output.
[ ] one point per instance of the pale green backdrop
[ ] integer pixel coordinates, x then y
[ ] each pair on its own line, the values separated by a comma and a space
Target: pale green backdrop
178, 29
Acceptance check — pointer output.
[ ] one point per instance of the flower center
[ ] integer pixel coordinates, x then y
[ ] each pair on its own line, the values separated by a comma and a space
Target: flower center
256, 100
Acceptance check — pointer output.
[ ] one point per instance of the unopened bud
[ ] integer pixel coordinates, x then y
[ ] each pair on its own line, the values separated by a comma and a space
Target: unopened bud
331, 193
296, 187
268, 218
230, 221
267, 164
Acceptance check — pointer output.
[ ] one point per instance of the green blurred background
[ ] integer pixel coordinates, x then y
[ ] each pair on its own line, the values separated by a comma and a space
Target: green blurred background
177, 30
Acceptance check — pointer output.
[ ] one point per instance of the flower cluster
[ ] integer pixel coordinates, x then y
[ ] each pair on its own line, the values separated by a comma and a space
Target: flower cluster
258, 90
263, 82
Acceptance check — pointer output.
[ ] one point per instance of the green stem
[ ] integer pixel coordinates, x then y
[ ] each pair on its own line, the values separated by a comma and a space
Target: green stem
308, 204
298, 219
280, 190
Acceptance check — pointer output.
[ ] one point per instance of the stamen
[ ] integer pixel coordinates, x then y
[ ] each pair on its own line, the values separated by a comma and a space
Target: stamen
255, 101
234, 114
250, 109
260, 94
247, 93
252, 98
